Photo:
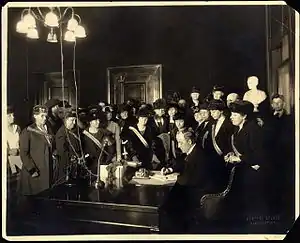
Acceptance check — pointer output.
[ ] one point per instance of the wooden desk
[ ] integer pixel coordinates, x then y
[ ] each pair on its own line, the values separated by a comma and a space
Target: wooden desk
129, 209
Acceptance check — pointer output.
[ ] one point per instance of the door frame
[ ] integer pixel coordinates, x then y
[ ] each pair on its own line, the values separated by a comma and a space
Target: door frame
111, 87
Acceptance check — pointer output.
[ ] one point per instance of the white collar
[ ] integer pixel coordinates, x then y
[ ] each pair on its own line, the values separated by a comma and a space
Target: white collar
279, 112
241, 125
191, 149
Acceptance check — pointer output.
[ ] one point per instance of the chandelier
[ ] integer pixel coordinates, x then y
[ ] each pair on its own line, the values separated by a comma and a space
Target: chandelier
53, 20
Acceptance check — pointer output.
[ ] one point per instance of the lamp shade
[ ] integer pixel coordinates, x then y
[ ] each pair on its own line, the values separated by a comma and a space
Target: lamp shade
22, 27
29, 20
51, 19
70, 36
80, 32
72, 24
32, 33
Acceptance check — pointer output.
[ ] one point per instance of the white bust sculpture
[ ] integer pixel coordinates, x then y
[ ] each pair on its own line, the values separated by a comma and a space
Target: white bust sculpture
254, 95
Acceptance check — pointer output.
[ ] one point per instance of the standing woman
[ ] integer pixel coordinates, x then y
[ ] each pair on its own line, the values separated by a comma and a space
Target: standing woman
247, 196
36, 150
93, 140
13, 142
114, 128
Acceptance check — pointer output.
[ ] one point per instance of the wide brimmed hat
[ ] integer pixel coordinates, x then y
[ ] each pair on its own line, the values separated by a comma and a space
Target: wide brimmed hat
203, 106
39, 109
52, 102
218, 88
173, 104
242, 107
159, 104
10, 109
179, 116
94, 113
143, 112
195, 90
217, 105
71, 113
64, 104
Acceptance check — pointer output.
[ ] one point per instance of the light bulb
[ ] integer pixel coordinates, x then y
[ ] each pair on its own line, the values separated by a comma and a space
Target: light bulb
22, 27
80, 32
51, 19
69, 36
32, 33
52, 37
29, 21
72, 24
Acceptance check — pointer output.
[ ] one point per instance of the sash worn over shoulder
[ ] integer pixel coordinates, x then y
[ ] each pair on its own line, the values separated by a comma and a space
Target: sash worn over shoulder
217, 148
142, 139
48, 137
95, 140
237, 153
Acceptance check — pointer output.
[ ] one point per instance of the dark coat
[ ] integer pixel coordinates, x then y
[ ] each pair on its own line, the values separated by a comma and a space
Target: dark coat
201, 130
247, 196
223, 139
195, 180
136, 148
54, 124
36, 155
90, 148
156, 129
67, 146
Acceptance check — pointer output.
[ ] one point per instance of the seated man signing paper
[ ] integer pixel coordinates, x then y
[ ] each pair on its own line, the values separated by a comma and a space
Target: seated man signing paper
195, 180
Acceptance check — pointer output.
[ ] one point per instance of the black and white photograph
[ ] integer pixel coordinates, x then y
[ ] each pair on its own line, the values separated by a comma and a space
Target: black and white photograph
150, 120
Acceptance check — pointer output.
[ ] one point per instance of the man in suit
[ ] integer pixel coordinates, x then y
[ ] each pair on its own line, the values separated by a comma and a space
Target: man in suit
203, 119
281, 146
159, 122
195, 179
218, 142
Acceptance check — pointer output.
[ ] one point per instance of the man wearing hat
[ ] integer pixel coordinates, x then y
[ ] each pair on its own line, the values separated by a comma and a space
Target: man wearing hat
159, 122
218, 143
68, 148
204, 121
54, 121
247, 197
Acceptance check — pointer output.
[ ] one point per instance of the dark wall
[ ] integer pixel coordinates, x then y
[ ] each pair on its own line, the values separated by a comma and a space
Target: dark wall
199, 46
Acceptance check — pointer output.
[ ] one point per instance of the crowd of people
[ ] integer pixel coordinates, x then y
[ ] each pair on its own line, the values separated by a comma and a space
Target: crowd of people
202, 140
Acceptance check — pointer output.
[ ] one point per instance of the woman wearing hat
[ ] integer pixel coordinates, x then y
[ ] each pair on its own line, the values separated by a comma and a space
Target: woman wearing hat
13, 142
114, 128
54, 121
96, 138
36, 150
139, 145
217, 141
247, 196
68, 142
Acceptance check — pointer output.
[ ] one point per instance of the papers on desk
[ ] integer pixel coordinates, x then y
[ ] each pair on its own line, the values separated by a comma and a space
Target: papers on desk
156, 179
170, 177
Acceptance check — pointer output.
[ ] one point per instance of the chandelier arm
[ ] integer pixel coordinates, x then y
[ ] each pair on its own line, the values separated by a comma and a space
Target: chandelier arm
78, 18
40, 12
36, 16
23, 12
64, 13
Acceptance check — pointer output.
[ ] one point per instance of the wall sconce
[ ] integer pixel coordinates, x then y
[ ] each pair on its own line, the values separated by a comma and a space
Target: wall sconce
52, 20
